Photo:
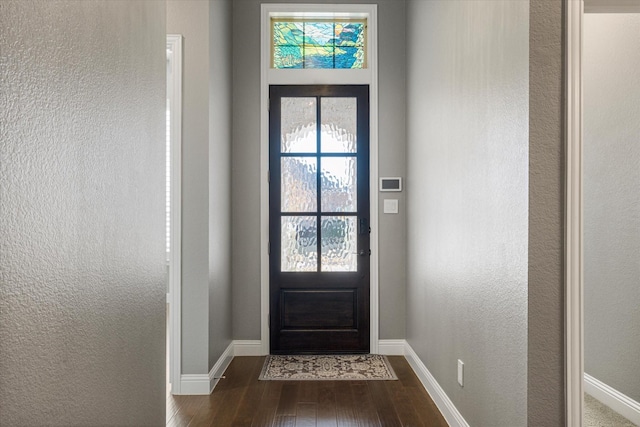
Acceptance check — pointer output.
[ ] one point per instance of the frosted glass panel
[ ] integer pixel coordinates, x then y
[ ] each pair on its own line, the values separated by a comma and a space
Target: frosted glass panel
339, 243
299, 240
298, 125
299, 184
339, 177
339, 124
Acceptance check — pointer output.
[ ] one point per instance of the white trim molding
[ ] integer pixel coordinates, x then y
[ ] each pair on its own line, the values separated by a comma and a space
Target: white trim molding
449, 411
278, 76
193, 384
264, 178
221, 365
248, 348
574, 361
619, 402
174, 94
392, 347
202, 384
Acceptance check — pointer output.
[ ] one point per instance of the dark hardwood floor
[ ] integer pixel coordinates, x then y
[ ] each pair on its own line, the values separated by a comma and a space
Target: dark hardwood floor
241, 400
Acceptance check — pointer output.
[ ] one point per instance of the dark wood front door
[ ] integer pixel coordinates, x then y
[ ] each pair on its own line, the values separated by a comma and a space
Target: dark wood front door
319, 219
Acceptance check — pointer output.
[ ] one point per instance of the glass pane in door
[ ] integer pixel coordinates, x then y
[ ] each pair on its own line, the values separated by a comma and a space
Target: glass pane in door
298, 184
299, 243
298, 125
339, 243
339, 124
338, 180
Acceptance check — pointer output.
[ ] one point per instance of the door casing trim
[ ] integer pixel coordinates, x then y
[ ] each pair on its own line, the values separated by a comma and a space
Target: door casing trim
574, 364
174, 46
368, 76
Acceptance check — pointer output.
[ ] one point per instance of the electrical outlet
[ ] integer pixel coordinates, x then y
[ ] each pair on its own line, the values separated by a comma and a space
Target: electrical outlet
461, 373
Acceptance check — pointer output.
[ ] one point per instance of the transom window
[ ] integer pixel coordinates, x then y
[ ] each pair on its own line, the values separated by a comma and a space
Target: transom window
318, 43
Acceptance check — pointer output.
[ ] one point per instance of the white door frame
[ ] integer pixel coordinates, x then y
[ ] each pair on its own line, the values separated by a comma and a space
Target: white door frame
270, 76
574, 261
574, 361
174, 94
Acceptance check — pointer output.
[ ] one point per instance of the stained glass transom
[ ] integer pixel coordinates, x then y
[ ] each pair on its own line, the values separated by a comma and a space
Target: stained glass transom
318, 44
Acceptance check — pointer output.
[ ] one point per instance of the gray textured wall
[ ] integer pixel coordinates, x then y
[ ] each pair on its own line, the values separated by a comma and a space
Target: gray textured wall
392, 153
467, 194
246, 166
612, 200
206, 179
219, 179
82, 287
191, 19
545, 378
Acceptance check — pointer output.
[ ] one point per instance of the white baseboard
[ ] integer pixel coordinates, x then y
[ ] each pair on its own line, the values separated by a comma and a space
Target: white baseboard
204, 383
221, 365
451, 414
620, 403
247, 348
194, 384
391, 347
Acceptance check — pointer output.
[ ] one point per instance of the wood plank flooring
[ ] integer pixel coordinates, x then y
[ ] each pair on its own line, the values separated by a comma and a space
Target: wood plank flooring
241, 400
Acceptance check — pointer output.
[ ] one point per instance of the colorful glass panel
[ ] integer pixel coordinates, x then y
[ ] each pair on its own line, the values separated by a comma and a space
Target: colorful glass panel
311, 44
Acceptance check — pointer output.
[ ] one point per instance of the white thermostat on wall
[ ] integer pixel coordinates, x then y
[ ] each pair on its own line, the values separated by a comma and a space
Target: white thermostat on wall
391, 184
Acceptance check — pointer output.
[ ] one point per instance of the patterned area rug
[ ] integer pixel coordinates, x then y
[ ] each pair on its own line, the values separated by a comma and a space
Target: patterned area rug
327, 367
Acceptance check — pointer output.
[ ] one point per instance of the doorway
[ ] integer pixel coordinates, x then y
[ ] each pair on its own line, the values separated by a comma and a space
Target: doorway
319, 219
577, 204
611, 217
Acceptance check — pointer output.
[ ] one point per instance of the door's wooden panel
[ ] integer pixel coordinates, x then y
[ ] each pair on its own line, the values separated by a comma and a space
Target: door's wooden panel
331, 341
325, 309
